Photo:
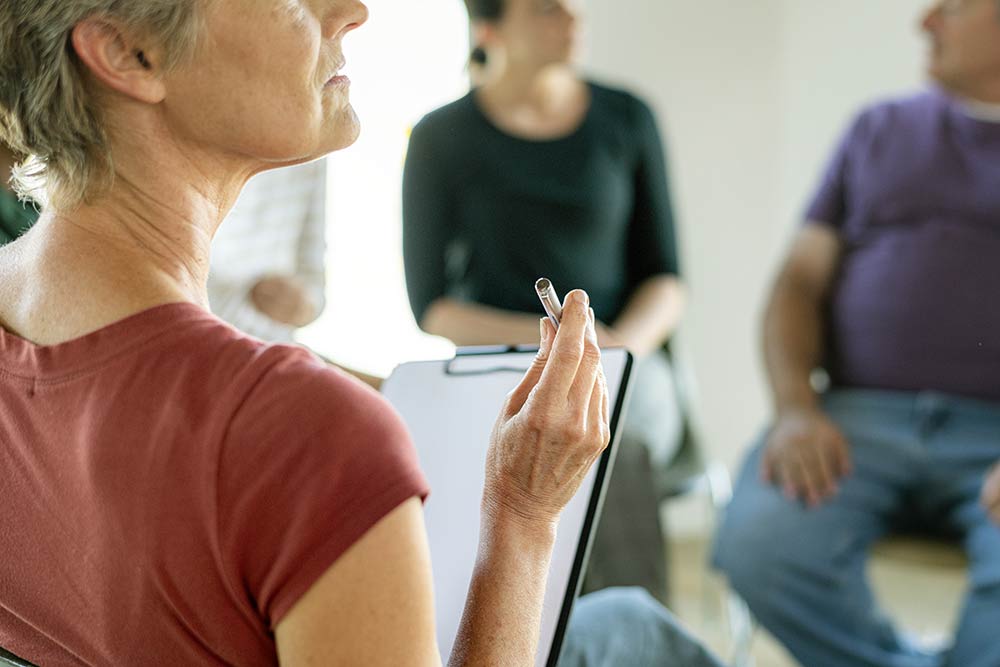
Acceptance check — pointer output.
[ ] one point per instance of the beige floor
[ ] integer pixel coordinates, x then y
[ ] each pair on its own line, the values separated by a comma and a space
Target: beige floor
921, 587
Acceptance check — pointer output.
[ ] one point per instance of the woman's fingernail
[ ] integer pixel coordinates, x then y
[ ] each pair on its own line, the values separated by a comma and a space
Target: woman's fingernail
543, 331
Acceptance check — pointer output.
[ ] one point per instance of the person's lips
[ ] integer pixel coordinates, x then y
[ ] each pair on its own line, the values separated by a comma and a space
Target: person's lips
335, 78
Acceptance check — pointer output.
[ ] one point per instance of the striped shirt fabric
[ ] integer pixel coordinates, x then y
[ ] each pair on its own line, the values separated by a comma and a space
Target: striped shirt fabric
277, 227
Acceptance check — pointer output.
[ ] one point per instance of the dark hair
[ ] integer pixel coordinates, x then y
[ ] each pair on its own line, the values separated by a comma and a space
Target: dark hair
485, 10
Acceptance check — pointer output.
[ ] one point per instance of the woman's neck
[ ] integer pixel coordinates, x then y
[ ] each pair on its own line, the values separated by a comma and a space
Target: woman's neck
539, 106
540, 88
143, 243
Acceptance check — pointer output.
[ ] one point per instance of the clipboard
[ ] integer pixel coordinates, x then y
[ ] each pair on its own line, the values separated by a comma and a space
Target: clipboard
450, 407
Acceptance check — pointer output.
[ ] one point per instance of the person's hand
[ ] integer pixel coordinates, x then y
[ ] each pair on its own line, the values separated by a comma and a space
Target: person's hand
283, 299
991, 493
553, 426
806, 455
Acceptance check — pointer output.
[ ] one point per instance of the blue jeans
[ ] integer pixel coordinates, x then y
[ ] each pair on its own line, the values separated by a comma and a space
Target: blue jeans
919, 461
626, 627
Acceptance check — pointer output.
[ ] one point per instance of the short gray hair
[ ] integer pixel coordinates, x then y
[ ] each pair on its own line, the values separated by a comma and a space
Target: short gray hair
47, 111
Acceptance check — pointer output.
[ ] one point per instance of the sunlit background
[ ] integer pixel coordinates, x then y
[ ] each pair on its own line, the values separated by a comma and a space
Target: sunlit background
409, 58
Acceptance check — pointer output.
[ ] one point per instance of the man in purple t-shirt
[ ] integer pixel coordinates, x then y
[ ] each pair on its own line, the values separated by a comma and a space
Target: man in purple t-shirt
893, 288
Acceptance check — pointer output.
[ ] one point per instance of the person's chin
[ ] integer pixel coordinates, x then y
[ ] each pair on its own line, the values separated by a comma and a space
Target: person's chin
344, 132
333, 137
940, 78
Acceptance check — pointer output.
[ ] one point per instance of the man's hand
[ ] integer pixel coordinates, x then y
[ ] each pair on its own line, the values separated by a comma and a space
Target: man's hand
991, 493
806, 455
283, 299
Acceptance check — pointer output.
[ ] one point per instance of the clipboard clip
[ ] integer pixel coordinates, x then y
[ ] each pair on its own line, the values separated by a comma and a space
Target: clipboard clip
475, 360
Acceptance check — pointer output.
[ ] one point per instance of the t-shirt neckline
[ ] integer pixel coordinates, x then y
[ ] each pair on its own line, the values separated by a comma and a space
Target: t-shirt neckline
22, 358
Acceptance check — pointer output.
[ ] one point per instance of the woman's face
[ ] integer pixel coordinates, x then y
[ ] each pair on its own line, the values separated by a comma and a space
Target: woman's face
266, 83
539, 32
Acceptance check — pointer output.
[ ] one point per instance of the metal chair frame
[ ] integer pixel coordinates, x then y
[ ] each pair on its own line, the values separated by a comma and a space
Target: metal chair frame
689, 472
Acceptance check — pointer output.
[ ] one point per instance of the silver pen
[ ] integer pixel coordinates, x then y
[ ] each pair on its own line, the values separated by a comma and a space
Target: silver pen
550, 300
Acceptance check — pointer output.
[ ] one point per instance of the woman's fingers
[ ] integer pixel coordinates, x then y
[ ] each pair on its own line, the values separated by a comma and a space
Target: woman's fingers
606, 402
567, 351
519, 395
597, 421
589, 367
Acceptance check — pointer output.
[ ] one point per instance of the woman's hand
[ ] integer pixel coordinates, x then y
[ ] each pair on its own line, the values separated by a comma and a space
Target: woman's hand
553, 426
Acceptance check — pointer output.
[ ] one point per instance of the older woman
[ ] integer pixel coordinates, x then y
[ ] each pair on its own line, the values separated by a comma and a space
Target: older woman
176, 492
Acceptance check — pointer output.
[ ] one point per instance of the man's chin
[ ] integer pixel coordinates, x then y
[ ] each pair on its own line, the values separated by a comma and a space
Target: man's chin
937, 77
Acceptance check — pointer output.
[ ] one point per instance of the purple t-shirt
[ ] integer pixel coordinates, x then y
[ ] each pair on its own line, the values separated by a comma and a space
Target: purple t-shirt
914, 192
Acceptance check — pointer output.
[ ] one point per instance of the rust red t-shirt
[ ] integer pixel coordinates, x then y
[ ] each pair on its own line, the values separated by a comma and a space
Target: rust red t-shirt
171, 487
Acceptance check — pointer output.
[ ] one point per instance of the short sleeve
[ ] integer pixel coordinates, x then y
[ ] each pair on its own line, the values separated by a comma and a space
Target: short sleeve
312, 461
829, 205
652, 236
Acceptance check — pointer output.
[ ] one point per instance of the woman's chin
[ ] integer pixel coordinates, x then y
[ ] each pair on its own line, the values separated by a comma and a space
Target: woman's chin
342, 133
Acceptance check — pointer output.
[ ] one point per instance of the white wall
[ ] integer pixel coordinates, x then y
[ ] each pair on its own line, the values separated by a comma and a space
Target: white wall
752, 96
838, 56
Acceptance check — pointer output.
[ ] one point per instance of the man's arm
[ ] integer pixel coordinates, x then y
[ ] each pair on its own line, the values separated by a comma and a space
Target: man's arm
805, 454
794, 319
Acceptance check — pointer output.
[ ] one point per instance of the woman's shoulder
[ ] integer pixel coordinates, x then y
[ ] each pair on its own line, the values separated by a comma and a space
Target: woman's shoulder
283, 387
445, 119
624, 114
621, 107
616, 99
267, 385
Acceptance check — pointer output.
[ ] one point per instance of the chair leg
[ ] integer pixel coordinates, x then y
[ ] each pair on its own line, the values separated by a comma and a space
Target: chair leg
742, 626
720, 485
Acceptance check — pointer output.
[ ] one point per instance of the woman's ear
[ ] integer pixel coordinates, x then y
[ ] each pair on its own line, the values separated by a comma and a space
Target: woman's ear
116, 59
484, 34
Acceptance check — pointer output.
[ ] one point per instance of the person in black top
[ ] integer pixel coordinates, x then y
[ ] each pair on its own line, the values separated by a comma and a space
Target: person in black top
16, 217
540, 172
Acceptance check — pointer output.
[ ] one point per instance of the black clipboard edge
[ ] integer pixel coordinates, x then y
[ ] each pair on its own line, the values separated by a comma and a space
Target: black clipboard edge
478, 350
605, 467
